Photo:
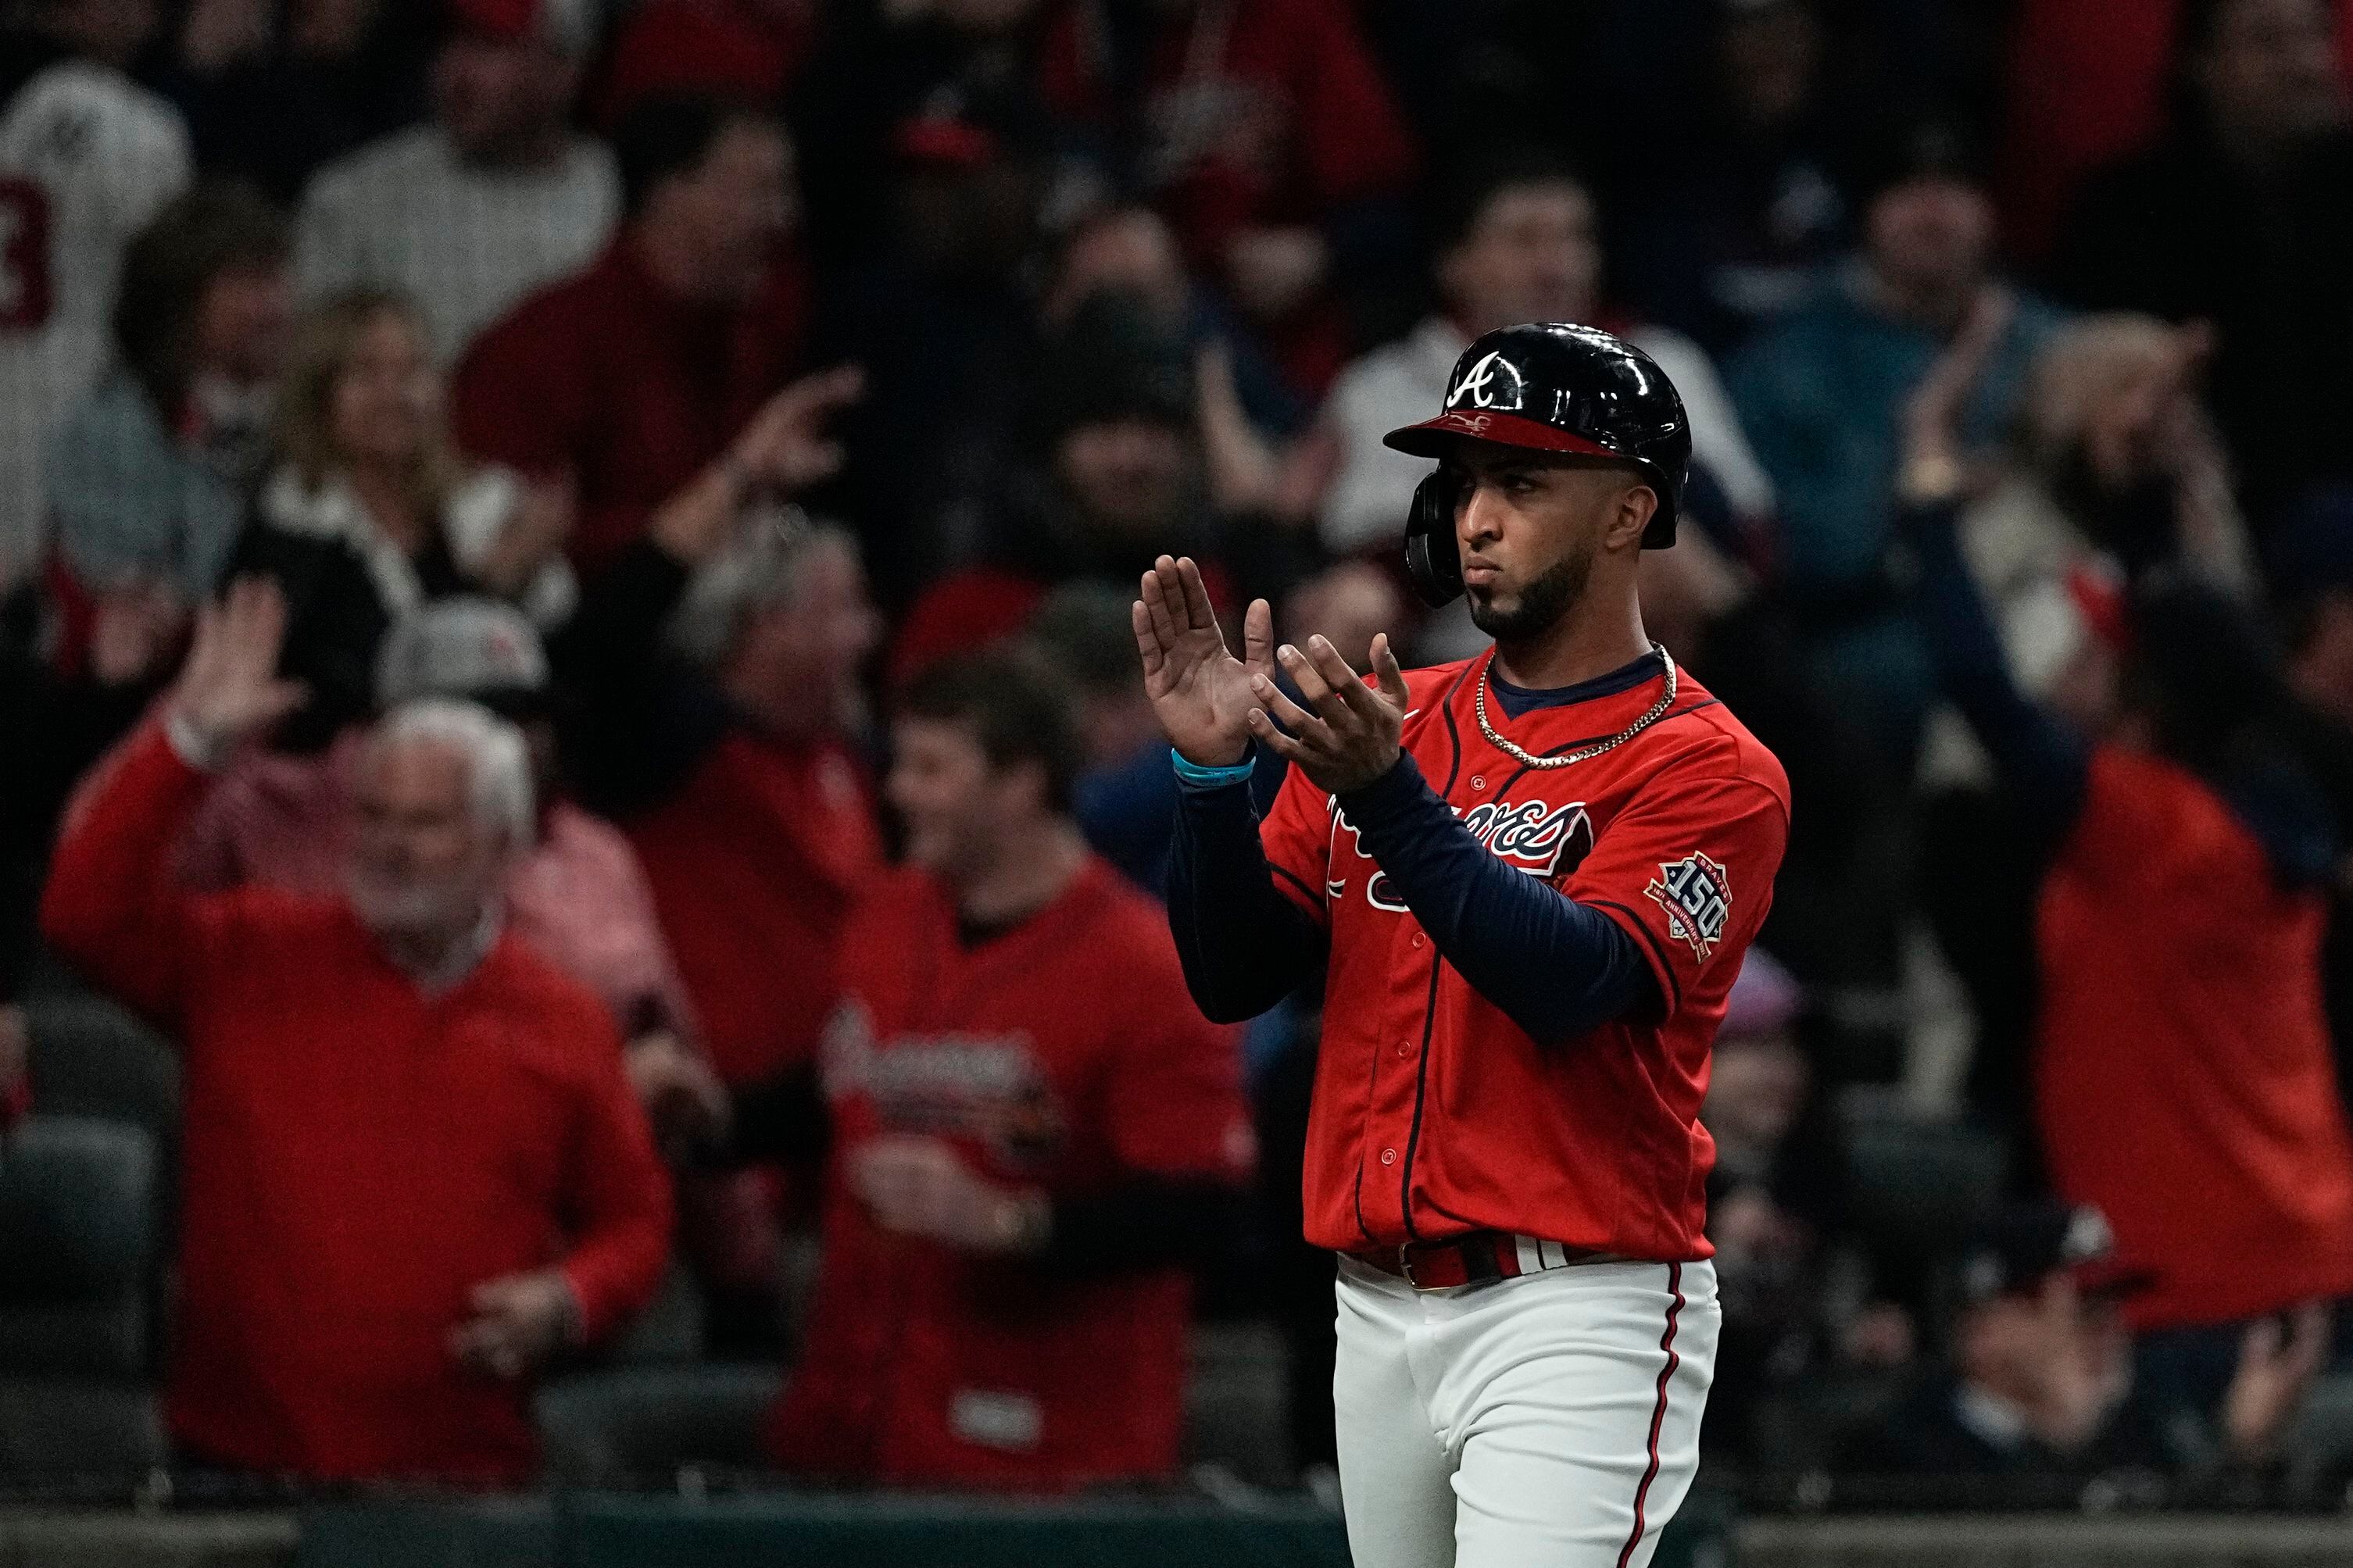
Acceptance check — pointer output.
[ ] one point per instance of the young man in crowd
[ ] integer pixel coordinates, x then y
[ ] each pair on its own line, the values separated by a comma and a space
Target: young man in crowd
1518, 242
413, 1170
492, 198
1034, 1131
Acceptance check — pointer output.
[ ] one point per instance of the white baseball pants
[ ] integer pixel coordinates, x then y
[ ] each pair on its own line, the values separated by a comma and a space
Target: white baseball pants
1552, 1418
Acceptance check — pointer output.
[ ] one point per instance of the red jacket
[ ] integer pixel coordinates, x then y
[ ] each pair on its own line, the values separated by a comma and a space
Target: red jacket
753, 867
2183, 1073
629, 392
357, 1155
1062, 1055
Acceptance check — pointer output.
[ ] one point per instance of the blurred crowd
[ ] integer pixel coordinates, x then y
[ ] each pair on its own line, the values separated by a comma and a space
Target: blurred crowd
566, 639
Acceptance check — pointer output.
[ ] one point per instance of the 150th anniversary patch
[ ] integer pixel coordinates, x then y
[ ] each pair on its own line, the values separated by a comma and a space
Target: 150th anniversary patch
1697, 897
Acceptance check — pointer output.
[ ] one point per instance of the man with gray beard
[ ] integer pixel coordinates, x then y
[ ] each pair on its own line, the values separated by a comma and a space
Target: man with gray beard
414, 1166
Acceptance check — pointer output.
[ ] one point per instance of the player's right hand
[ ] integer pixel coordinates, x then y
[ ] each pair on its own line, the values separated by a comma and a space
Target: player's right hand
1201, 692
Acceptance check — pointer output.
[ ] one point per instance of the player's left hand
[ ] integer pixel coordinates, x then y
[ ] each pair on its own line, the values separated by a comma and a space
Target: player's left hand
1347, 736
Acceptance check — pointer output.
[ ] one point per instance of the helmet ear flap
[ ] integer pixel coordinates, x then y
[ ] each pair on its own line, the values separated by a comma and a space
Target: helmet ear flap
1433, 559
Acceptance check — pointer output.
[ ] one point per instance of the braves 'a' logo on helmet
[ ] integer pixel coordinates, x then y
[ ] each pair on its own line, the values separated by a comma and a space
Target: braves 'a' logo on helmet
1493, 382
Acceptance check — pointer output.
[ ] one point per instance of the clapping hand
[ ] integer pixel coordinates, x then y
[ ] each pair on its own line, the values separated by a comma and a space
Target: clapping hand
1202, 695
1348, 734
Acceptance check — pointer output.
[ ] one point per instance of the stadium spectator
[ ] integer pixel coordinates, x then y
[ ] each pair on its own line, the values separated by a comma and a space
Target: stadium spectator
574, 894
412, 1167
151, 475
2114, 471
2086, 83
2186, 844
1774, 1203
1517, 242
748, 49
1727, 215
492, 198
1819, 394
1019, 1176
2040, 1389
15, 1084
718, 685
1117, 474
2238, 217
272, 92
1266, 135
635, 381
87, 157
369, 512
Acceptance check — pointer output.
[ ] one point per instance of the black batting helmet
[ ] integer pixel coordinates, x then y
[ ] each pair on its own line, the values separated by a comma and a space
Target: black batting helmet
1552, 386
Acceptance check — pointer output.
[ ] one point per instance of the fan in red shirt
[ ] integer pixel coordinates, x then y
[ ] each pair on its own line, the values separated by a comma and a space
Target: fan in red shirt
655, 373
414, 1168
1261, 127
1034, 1131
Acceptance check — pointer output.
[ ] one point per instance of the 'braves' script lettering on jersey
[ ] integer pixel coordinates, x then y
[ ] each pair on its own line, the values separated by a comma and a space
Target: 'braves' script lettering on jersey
988, 1087
1533, 836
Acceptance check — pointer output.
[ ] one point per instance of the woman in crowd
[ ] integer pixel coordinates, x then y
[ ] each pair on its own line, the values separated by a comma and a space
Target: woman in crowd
2182, 1080
369, 512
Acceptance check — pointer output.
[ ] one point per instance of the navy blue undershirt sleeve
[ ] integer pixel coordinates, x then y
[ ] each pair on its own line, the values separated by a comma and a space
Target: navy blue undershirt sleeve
2045, 764
1245, 945
1556, 968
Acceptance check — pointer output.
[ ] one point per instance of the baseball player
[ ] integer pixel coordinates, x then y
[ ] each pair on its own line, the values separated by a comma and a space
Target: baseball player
1529, 878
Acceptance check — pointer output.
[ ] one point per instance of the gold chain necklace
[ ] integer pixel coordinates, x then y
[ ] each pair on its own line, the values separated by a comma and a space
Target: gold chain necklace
1530, 760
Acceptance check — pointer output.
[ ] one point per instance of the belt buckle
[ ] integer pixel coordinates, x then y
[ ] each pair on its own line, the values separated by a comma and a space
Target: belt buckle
1405, 1265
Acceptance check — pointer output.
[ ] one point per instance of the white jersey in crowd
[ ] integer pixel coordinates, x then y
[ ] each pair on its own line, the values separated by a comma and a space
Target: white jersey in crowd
87, 156
465, 241
1405, 382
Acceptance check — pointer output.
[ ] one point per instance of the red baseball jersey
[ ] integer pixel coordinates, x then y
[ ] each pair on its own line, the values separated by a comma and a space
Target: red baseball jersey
1434, 1113
2181, 1012
1065, 1056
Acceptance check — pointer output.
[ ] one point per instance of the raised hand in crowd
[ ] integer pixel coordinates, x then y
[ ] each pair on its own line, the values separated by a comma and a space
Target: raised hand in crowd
229, 691
921, 1187
518, 1320
532, 536
1933, 461
1202, 694
784, 447
2277, 1362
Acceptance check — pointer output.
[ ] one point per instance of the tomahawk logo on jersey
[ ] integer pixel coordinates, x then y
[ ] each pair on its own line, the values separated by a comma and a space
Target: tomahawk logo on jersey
1434, 1112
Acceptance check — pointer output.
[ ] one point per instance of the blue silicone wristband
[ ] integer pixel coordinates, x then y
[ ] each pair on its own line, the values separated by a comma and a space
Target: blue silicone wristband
1193, 776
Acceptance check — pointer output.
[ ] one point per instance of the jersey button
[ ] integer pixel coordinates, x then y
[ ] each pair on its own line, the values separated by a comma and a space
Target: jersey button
1404, 1050
1478, 781
1388, 1156
1417, 939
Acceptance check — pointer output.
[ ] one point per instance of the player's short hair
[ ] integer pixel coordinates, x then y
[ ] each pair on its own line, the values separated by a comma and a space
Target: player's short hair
1021, 709
214, 226
671, 134
1083, 628
1472, 185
